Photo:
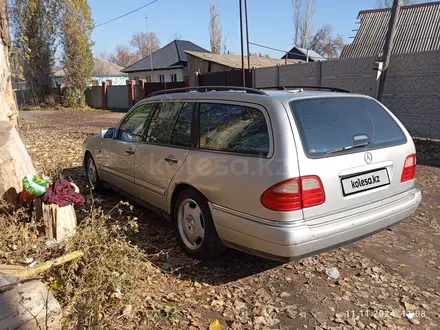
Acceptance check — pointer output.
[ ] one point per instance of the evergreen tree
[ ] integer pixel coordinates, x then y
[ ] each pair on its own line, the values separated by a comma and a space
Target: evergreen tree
34, 29
76, 30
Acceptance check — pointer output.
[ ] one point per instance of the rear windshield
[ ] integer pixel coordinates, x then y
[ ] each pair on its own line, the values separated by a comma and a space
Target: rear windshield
330, 123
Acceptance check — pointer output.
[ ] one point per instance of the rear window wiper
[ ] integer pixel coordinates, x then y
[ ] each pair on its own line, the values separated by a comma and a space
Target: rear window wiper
360, 145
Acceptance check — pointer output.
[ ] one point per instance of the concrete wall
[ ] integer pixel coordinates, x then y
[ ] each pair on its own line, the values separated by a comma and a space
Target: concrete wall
412, 92
156, 74
356, 75
412, 89
117, 97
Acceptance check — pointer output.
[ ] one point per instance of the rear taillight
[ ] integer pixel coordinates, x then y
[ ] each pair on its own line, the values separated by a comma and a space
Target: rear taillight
409, 168
294, 194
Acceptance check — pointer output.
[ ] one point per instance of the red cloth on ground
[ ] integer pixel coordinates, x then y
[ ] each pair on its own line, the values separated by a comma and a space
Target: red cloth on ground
62, 193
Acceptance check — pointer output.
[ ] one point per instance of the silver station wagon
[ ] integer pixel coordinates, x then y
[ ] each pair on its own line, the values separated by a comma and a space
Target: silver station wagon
278, 173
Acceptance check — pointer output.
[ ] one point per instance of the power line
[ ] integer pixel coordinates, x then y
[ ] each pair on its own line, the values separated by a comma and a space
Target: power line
279, 50
131, 12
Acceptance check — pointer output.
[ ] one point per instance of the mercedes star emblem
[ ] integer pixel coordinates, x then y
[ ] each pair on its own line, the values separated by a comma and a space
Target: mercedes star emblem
368, 158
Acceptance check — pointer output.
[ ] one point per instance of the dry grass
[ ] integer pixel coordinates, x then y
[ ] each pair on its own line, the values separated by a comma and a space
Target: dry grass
20, 238
107, 286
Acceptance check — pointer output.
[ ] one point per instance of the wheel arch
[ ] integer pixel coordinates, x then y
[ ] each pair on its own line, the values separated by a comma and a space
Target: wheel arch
177, 190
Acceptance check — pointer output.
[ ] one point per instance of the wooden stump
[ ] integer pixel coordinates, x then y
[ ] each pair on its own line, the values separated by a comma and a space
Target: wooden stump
59, 222
29, 306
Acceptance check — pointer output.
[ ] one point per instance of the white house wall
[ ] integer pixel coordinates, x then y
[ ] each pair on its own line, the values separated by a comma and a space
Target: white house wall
116, 81
157, 73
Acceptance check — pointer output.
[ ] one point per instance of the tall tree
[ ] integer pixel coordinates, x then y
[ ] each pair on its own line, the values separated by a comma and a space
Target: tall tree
304, 10
389, 3
34, 27
215, 29
325, 43
297, 4
15, 162
145, 43
77, 26
306, 22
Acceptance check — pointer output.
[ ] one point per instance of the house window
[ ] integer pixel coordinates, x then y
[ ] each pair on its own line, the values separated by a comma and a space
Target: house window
149, 79
162, 78
173, 77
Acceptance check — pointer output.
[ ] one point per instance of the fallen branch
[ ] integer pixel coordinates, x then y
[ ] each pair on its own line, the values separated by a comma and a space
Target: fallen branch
28, 272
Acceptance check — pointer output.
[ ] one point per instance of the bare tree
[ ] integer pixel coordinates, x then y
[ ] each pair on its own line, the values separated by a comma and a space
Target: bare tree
215, 29
306, 26
389, 3
225, 44
123, 56
145, 42
104, 56
304, 10
323, 42
297, 4
176, 36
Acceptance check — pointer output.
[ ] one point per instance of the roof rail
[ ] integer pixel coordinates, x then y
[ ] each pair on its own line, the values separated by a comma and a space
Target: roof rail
208, 89
332, 89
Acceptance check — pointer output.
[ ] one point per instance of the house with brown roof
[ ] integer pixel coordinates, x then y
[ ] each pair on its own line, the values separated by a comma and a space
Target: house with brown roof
418, 30
209, 62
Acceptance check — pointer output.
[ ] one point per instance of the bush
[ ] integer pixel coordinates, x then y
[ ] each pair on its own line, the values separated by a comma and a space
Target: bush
74, 98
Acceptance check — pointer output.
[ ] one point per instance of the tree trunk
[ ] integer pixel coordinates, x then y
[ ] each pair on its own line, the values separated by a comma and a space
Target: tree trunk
14, 158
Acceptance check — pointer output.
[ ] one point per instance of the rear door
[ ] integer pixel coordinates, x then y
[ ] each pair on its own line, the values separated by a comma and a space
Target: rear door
369, 169
166, 146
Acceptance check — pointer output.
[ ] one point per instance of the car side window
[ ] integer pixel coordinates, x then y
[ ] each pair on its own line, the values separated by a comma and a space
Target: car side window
182, 130
161, 126
132, 127
233, 128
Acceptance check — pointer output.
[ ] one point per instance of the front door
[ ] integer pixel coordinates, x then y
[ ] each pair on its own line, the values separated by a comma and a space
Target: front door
167, 144
116, 157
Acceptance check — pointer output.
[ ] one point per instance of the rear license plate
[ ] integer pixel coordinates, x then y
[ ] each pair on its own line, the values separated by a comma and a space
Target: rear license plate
365, 181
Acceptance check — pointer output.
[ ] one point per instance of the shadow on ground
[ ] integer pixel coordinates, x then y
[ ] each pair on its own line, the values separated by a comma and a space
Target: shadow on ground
428, 152
157, 239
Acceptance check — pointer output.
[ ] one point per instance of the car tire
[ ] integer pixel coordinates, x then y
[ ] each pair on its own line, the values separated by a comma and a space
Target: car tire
195, 227
90, 167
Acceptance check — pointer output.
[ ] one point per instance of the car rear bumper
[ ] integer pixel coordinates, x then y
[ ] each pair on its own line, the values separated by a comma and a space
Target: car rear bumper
296, 241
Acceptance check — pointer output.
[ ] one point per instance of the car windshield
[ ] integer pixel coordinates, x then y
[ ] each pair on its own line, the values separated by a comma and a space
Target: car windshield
343, 124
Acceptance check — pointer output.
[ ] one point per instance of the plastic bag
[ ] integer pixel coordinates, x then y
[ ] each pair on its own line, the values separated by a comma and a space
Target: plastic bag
34, 186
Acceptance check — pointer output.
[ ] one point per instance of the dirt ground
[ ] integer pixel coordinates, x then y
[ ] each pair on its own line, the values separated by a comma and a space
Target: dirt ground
383, 278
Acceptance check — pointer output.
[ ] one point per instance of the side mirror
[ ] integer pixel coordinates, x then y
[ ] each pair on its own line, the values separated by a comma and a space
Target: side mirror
108, 133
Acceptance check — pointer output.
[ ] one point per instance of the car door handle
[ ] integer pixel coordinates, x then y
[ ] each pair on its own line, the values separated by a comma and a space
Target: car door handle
129, 151
171, 159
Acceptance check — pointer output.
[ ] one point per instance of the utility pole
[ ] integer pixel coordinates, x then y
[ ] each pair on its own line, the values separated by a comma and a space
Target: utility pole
241, 38
247, 34
329, 47
388, 48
